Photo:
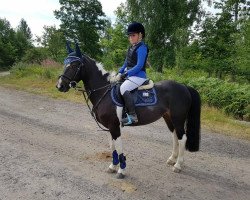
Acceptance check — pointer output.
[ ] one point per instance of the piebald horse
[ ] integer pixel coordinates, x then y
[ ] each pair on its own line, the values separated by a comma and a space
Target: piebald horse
178, 104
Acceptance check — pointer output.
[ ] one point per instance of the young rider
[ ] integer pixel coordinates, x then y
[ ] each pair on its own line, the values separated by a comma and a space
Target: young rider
133, 69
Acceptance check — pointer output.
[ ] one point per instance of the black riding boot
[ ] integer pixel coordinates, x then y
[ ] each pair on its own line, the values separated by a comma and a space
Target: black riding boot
129, 103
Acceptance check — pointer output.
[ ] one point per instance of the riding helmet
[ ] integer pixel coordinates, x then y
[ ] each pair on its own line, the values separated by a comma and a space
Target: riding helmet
136, 27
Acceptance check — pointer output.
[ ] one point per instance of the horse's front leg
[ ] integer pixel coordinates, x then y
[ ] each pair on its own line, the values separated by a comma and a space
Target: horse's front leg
117, 151
122, 158
115, 158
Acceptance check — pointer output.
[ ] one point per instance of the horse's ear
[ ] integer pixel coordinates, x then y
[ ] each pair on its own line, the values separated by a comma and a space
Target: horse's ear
69, 50
78, 51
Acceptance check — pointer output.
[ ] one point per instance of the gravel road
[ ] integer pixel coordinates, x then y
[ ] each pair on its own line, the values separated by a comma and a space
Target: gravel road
52, 149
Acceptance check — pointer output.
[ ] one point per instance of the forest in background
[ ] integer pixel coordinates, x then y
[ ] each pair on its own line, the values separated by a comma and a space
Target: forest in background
182, 36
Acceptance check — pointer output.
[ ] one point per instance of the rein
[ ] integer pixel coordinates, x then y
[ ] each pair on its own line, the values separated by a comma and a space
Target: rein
87, 95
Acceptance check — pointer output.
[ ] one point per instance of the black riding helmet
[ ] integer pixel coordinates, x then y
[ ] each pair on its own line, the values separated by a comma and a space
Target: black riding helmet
136, 27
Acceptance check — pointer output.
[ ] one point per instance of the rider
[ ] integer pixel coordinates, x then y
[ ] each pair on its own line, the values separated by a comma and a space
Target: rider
133, 69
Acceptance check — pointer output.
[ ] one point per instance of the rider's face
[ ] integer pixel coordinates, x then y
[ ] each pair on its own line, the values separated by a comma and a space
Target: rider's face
134, 38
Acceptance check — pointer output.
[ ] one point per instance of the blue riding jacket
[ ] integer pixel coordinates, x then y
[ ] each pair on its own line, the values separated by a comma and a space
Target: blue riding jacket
135, 62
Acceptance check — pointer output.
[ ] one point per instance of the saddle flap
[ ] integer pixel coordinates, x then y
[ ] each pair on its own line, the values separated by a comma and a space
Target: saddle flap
141, 97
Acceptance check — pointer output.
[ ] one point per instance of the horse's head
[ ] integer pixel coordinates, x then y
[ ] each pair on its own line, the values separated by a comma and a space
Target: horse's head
72, 68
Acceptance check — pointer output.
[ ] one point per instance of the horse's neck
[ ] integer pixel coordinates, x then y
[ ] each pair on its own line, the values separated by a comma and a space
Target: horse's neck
96, 78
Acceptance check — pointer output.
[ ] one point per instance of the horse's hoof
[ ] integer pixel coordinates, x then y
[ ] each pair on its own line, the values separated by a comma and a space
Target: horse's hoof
120, 176
171, 162
176, 169
111, 171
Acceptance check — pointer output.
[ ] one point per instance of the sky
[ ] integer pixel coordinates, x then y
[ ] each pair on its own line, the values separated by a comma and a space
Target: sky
38, 13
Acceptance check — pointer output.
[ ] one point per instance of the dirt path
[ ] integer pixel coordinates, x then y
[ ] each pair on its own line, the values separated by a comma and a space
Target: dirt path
4, 73
52, 149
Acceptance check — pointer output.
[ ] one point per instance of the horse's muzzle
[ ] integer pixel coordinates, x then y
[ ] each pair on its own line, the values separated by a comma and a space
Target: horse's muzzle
61, 87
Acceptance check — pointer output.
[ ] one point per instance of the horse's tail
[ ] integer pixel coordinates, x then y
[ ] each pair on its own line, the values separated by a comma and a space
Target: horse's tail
193, 122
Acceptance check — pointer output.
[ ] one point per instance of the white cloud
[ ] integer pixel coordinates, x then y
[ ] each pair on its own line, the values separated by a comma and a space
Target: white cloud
38, 13
109, 6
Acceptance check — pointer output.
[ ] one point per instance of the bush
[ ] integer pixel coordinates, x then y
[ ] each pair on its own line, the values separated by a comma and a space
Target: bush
233, 98
21, 70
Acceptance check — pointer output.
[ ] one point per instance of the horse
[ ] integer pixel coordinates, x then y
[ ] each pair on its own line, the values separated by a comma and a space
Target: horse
179, 105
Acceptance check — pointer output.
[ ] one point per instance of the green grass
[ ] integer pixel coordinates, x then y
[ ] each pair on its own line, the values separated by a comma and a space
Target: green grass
42, 80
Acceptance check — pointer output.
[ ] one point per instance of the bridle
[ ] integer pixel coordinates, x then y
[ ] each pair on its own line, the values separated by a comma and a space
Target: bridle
73, 83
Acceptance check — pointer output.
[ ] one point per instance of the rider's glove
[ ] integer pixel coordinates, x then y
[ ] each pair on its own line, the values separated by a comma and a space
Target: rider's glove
124, 75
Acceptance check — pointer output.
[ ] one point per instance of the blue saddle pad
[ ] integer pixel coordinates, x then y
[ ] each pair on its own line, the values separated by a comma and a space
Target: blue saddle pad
141, 97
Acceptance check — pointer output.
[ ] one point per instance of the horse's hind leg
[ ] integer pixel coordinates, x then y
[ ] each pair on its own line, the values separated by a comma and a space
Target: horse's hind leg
182, 143
173, 158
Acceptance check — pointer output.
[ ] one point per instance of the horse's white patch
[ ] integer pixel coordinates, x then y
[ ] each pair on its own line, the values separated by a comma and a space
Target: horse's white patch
121, 171
111, 143
112, 166
119, 113
174, 155
66, 66
100, 67
118, 145
59, 83
180, 159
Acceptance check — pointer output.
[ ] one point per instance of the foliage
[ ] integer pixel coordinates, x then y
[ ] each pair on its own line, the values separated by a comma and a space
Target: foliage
114, 44
242, 58
34, 55
7, 45
167, 26
54, 41
23, 40
13, 44
233, 98
83, 21
21, 70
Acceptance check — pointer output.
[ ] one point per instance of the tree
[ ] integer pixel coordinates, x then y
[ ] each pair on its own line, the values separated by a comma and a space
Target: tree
7, 45
54, 41
164, 21
82, 20
24, 28
219, 38
23, 39
242, 57
114, 45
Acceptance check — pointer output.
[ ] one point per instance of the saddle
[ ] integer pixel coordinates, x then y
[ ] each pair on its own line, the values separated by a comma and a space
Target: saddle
145, 95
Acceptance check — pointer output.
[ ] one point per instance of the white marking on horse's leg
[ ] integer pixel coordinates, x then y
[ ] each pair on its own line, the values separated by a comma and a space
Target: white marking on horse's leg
111, 143
59, 83
172, 159
180, 159
112, 168
119, 113
118, 146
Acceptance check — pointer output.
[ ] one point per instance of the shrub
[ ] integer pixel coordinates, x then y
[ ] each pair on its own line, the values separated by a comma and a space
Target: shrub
231, 97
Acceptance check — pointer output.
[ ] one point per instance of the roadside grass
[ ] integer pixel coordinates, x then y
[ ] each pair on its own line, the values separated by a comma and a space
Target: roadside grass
43, 82
216, 121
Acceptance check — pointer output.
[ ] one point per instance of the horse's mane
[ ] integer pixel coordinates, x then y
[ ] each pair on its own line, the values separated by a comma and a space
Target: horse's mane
100, 68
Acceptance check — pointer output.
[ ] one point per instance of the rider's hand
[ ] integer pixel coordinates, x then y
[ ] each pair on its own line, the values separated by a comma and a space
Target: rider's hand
124, 76
118, 77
